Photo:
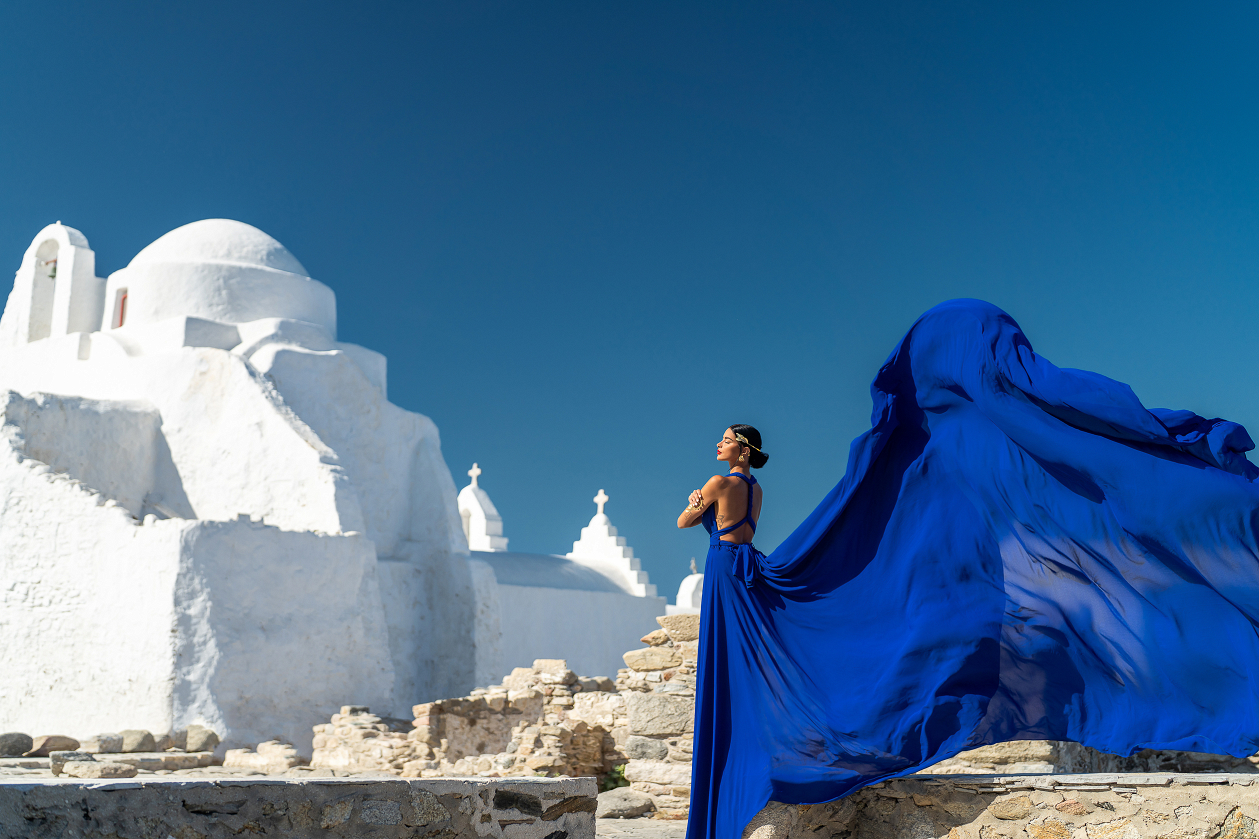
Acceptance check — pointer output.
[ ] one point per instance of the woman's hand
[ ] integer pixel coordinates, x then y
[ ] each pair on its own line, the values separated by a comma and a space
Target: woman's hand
692, 514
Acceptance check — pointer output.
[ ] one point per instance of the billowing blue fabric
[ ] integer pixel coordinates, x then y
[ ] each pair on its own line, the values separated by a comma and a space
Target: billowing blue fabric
1017, 551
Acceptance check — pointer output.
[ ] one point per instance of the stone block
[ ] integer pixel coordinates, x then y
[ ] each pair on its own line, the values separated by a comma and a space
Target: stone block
658, 772
623, 803
95, 770
1012, 808
138, 740
652, 658
660, 714
15, 744
201, 739
272, 757
680, 627
179, 739
655, 638
645, 748
101, 744
170, 761
47, 743
58, 760
773, 822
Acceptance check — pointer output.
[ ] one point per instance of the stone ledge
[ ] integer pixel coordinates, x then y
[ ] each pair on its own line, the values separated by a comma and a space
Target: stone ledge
511, 808
1094, 806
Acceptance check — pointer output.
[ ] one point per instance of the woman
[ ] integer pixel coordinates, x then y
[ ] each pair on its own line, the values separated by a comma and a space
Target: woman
734, 499
1017, 551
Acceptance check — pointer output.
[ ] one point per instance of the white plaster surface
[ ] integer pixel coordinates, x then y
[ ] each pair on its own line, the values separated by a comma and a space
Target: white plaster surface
601, 548
549, 605
482, 525
690, 595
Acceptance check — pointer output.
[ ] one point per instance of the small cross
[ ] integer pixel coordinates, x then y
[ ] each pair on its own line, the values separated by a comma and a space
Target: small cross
694, 570
474, 472
601, 499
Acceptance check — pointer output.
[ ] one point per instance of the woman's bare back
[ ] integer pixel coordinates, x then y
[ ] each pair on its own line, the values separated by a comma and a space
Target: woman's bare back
730, 500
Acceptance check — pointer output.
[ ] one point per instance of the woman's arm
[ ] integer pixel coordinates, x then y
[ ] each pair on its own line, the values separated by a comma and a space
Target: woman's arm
698, 502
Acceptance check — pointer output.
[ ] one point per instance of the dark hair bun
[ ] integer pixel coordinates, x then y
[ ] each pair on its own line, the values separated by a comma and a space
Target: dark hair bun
758, 458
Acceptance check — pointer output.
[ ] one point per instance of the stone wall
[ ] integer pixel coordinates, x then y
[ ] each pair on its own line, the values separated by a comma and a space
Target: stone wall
1096, 806
545, 720
542, 720
1054, 756
659, 689
522, 808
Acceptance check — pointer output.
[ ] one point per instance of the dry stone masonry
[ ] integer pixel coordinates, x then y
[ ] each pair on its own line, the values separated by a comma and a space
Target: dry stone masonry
547, 720
542, 720
515, 808
1095, 806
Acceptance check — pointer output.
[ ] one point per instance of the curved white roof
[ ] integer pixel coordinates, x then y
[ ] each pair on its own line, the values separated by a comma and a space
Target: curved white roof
219, 240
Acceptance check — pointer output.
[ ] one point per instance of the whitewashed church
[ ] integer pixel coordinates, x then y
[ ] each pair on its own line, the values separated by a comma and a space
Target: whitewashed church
210, 512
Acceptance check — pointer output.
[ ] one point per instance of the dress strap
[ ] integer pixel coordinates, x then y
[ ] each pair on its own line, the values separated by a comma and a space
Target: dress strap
747, 516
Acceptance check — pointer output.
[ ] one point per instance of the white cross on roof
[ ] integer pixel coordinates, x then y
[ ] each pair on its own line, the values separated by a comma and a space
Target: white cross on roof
474, 472
601, 499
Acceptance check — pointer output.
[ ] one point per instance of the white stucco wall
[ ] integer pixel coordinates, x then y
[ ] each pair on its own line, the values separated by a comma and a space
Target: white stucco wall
111, 621
591, 629
275, 630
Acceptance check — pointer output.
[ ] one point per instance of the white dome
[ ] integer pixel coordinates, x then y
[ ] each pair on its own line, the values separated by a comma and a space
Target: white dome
220, 270
222, 241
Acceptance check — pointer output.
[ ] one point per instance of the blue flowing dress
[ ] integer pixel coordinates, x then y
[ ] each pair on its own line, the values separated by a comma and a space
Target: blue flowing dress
1017, 551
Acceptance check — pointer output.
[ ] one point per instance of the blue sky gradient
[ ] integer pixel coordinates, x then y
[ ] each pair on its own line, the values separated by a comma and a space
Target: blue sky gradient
589, 238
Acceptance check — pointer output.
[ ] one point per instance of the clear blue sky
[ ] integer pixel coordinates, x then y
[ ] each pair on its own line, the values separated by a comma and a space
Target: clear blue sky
590, 236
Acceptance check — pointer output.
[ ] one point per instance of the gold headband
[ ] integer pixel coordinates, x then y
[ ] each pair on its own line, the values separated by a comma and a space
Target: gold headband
744, 441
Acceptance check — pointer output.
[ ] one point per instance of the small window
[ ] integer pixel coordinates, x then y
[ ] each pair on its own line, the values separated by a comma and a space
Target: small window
120, 307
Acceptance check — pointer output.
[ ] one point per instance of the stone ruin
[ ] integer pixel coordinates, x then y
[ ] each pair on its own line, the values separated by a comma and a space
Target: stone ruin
546, 720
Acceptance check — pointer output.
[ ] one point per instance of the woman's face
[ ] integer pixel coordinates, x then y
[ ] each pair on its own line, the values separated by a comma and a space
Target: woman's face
729, 448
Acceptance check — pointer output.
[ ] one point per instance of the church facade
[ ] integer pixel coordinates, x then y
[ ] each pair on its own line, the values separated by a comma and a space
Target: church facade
212, 513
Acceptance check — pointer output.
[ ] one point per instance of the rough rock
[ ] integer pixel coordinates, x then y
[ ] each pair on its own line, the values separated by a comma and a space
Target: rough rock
272, 757
163, 742
655, 638
773, 822
623, 803
658, 772
58, 760
1010, 809
51, 743
200, 739
1048, 829
92, 769
102, 744
138, 740
660, 714
645, 748
555, 671
1073, 807
15, 743
179, 739
652, 658
680, 627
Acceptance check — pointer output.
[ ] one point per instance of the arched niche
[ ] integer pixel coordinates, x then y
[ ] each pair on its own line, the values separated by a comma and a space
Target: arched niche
43, 290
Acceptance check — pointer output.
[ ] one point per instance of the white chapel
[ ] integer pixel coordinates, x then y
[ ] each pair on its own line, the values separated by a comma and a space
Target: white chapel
210, 511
